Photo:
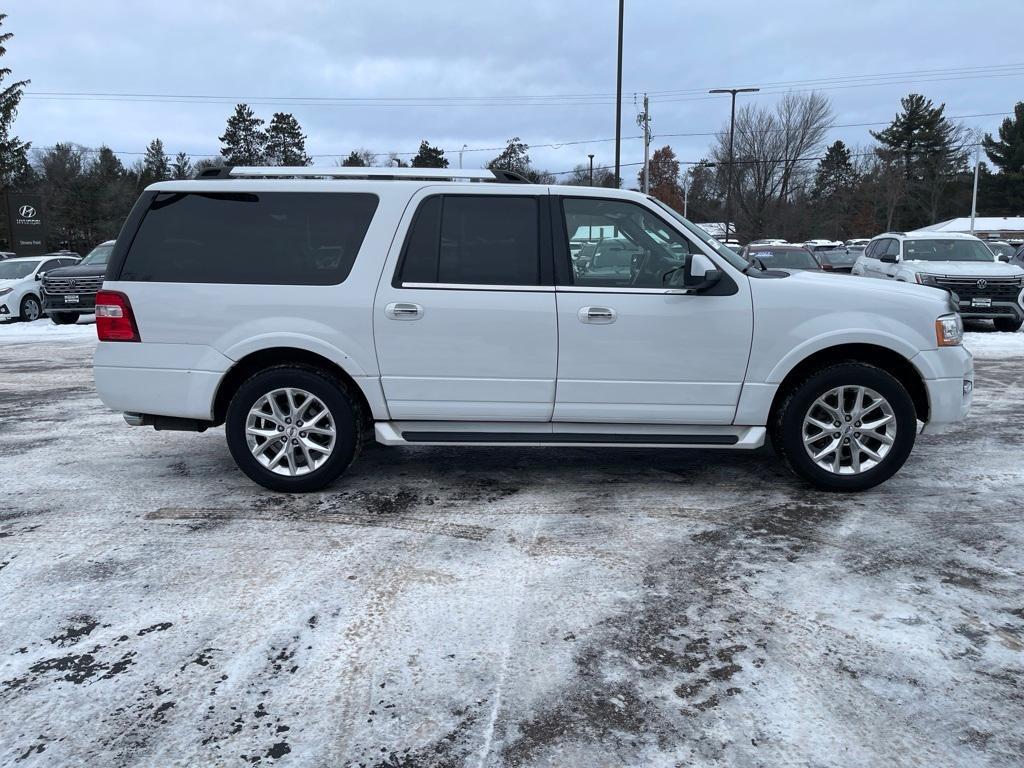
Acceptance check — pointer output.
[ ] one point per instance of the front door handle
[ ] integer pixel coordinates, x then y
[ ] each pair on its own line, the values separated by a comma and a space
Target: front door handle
596, 315
401, 310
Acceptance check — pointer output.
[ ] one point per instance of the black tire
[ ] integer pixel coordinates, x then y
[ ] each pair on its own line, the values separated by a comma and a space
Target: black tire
64, 318
1008, 324
345, 409
786, 425
31, 308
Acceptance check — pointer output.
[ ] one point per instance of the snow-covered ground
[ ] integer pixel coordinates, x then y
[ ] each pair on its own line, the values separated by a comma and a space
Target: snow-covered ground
500, 607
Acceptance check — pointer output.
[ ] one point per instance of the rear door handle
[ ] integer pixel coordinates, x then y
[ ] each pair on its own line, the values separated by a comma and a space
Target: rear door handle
597, 315
401, 310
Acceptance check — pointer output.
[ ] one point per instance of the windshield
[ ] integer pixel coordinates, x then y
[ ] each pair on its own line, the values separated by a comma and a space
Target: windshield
13, 270
946, 250
1002, 249
784, 258
729, 255
98, 255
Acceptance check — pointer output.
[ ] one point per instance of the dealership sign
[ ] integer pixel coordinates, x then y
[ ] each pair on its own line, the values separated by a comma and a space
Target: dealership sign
27, 225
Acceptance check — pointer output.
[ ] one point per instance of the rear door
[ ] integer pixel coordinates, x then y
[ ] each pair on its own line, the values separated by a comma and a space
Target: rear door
630, 349
464, 317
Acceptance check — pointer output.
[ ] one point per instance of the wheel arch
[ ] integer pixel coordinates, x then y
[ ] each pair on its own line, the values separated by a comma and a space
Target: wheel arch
261, 359
882, 357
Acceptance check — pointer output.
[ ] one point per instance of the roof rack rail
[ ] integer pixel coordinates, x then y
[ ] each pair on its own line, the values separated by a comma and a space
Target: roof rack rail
379, 174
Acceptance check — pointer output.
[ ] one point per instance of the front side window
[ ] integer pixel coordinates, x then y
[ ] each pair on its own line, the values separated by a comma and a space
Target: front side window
784, 258
269, 238
473, 240
614, 243
947, 250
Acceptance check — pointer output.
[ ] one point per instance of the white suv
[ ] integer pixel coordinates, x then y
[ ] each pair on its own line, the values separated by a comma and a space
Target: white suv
984, 286
306, 309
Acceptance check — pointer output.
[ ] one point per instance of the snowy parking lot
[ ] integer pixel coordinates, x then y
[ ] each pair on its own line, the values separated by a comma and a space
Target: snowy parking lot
500, 607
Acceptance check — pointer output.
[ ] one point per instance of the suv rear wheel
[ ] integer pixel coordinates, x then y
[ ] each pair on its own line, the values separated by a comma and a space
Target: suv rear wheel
1008, 324
293, 429
848, 427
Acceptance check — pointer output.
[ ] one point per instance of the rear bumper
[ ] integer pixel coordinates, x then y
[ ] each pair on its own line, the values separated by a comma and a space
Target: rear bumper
131, 377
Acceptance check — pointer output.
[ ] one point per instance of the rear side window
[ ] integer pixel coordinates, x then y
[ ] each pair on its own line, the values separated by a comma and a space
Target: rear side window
272, 238
473, 240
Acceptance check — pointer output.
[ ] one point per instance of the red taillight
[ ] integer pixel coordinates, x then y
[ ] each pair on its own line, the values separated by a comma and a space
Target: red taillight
114, 318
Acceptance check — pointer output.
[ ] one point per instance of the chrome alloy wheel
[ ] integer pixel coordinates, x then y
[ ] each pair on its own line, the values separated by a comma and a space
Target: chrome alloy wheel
290, 431
849, 430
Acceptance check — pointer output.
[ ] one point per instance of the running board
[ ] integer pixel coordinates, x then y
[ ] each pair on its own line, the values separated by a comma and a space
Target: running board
596, 435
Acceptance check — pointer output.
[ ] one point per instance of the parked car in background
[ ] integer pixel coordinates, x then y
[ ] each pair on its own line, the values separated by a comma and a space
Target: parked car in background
7, 255
838, 259
985, 287
19, 284
822, 245
769, 241
781, 257
70, 292
1002, 249
857, 241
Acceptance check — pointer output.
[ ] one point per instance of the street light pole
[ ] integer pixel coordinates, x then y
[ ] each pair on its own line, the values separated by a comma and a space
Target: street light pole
460, 153
974, 195
618, 101
732, 129
591, 169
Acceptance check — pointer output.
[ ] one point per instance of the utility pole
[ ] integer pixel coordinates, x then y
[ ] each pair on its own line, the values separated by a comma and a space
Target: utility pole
644, 120
618, 103
591, 169
974, 195
686, 191
732, 129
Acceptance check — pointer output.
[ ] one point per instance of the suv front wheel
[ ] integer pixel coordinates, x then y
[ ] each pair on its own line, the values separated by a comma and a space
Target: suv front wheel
293, 429
848, 427
1008, 324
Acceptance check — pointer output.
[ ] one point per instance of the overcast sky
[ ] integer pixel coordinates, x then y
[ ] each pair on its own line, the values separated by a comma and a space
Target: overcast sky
484, 66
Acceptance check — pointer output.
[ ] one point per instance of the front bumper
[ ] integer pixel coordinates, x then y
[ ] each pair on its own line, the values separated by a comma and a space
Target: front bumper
58, 303
951, 391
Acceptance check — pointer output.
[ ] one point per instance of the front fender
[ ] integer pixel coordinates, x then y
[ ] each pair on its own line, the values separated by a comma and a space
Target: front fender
838, 338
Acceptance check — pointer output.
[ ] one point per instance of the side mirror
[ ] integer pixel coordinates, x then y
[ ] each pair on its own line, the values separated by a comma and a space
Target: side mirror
40, 275
1004, 258
700, 283
889, 258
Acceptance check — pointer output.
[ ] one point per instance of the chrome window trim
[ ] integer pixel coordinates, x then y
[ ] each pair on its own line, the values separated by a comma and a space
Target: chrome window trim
616, 289
475, 287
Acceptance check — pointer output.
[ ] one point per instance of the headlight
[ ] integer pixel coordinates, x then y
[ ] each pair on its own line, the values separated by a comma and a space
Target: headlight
5, 291
949, 331
925, 279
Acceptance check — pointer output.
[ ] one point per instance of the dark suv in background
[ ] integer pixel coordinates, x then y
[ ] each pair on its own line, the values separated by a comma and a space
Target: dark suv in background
70, 292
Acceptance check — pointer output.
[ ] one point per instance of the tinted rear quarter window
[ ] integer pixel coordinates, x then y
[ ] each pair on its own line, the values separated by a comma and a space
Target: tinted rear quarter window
271, 238
473, 240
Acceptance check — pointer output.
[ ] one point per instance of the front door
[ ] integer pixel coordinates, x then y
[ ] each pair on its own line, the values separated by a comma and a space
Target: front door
630, 351
464, 318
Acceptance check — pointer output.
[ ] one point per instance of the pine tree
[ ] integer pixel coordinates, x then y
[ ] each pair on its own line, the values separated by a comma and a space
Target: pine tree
156, 166
13, 151
244, 141
286, 143
181, 168
429, 157
1007, 153
515, 157
928, 148
835, 173
359, 158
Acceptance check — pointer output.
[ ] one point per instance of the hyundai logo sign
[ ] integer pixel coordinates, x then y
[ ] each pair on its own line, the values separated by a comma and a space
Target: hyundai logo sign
982, 284
27, 212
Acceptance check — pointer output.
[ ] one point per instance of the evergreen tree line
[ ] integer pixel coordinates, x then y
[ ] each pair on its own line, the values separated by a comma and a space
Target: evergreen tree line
786, 182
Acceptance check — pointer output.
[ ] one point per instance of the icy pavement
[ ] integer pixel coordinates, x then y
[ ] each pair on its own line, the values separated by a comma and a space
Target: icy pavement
549, 607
